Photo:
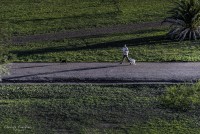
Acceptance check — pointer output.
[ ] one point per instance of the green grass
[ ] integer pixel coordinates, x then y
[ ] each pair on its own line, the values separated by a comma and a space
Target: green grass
182, 97
91, 109
33, 17
21, 17
148, 45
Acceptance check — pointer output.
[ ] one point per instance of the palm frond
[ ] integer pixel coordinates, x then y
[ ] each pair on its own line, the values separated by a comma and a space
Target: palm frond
184, 20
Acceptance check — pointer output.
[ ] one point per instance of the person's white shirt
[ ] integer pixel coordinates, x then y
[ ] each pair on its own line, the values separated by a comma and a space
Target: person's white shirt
125, 50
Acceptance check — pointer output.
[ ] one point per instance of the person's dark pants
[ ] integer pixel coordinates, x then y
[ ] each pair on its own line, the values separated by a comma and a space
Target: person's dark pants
125, 56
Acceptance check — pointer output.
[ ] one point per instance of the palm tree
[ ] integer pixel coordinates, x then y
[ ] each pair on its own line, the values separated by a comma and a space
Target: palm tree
185, 20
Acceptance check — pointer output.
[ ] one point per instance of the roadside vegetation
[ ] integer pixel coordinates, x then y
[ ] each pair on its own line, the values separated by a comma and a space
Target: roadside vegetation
182, 97
147, 45
44, 16
93, 109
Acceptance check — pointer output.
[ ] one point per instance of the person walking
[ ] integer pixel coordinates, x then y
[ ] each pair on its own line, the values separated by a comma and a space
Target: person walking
125, 52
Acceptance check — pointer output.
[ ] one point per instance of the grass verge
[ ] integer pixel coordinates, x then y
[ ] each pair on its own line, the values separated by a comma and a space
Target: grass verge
146, 46
91, 109
182, 97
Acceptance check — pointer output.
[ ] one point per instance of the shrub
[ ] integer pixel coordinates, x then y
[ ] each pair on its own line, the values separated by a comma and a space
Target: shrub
185, 20
181, 97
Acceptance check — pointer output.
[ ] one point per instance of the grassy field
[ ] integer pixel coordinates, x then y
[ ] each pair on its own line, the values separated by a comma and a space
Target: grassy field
21, 17
147, 45
33, 17
134, 109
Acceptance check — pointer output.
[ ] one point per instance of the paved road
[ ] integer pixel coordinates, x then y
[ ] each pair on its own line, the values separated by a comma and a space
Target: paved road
103, 72
127, 28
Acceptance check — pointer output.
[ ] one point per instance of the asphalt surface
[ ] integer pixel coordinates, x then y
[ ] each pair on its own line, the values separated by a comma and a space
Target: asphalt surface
142, 72
89, 32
